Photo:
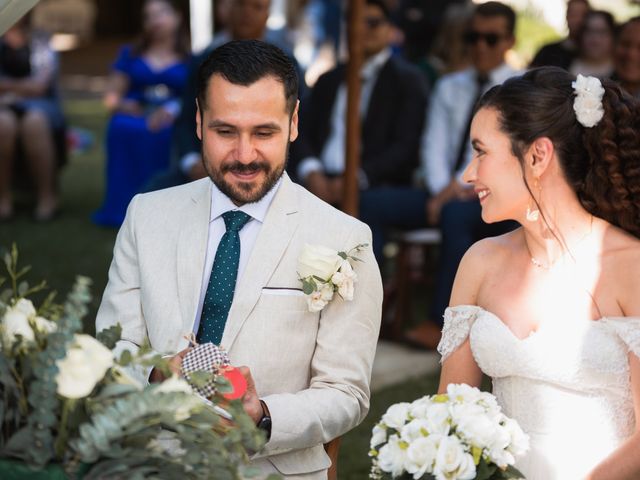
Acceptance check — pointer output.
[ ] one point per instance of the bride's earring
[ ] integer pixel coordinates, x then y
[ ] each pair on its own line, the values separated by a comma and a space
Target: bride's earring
533, 214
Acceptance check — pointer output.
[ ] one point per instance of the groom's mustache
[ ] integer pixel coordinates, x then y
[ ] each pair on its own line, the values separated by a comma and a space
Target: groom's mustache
238, 167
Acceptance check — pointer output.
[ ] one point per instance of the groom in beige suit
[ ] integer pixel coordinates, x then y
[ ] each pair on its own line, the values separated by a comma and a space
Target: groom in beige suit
311, 370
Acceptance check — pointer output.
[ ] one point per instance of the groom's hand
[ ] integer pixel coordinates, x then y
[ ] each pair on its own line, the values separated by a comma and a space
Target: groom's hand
251, 401
175, 365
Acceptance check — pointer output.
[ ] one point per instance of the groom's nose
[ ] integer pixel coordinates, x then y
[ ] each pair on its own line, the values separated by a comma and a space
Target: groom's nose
245, 150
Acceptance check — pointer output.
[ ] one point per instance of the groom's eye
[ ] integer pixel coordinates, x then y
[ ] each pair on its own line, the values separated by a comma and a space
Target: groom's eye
224, 132
264, 133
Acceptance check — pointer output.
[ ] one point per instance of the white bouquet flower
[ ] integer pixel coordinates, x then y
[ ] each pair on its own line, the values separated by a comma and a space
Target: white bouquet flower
324, 271
460, 435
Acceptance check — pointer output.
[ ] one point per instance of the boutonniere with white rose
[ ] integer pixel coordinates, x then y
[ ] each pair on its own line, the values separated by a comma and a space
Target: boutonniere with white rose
324, 272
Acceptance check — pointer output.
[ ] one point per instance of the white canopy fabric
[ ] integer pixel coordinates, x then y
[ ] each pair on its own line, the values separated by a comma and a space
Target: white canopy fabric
12, 10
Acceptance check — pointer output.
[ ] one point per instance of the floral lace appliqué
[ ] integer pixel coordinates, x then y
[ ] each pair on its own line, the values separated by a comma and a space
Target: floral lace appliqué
457, 323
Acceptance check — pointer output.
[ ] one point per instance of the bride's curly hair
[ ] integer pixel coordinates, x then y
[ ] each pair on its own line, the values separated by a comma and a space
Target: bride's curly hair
602, 163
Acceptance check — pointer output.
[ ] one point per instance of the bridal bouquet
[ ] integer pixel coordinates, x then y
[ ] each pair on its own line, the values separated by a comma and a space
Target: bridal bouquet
68, 408
460, 435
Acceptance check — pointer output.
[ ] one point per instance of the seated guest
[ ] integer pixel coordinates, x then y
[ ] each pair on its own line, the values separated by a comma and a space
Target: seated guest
392, 103
562, 53
595, 45
144, 95
446, 150
626, 56
247, 20
30, 117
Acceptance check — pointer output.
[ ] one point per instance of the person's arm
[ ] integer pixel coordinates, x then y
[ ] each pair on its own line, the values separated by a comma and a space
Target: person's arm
117, 86
121, 301
624, 462
460, 366
337, 398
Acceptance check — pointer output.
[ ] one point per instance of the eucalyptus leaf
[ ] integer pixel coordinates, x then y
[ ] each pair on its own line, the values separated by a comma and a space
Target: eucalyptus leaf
110, 336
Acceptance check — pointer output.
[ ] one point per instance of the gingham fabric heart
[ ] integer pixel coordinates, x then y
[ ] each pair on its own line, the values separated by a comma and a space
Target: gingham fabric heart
205, 357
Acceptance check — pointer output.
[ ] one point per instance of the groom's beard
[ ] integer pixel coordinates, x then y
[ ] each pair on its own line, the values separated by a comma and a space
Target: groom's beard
245, 192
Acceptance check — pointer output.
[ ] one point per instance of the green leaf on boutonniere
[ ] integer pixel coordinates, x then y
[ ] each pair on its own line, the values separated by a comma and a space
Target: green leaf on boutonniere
343, 255
308, 285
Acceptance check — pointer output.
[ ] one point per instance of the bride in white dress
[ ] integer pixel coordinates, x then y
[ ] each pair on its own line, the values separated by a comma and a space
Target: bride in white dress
551, 311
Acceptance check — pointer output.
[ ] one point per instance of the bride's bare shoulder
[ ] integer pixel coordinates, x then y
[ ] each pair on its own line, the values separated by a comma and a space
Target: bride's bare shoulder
480, 262
495, 249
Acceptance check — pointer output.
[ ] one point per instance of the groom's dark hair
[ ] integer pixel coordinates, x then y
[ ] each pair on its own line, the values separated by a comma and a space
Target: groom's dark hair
244, 62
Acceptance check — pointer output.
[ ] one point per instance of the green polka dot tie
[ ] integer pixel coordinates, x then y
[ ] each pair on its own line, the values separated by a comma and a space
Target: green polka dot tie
222, 282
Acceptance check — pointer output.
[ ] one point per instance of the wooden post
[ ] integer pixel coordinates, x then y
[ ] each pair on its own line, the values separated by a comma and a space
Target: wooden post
352, 157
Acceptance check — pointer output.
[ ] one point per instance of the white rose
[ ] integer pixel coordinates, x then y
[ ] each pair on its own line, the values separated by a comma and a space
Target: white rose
45, 326
421, 455
85, 364
16, 322
26, 307
419, 407
174, 384
317, 260
316, 302
378, 436
478, 430
396, 415
438, 419
467, 468
449, 456
588, 102
519, 441
463, 393
462, 411
392, 456
415, 429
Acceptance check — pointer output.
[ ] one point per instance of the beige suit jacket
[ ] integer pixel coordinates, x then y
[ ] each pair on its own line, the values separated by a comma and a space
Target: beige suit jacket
312, 369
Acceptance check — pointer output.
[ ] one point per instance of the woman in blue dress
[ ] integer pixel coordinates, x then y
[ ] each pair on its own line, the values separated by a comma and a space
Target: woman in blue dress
144, 96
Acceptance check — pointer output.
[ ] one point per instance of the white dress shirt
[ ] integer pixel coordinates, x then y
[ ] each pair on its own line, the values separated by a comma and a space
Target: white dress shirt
332, 157
220, 204
447, 117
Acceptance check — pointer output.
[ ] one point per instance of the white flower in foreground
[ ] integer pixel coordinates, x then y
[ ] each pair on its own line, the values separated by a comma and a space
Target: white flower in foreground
396, 415
16, 322
174, 384
588, 102
479, 430
449, 457
379, 435
392, 456
416, 428
45, 326
421, 455
85, 364
438, 419
317, 260
519, 442
463, 393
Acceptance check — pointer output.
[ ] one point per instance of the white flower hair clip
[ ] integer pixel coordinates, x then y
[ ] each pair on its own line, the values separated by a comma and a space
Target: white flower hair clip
588, 102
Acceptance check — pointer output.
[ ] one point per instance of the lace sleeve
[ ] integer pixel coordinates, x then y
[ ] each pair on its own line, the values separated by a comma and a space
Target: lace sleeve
628, 329
457, 323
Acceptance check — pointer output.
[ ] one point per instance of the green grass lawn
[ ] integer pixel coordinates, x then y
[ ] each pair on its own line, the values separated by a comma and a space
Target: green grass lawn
72, 245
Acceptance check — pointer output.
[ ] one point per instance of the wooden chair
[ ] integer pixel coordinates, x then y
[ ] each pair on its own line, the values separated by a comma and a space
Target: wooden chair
333, 448
398, 291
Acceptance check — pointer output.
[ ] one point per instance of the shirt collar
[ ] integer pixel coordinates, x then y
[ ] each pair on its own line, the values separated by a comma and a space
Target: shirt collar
220, 204
373, 65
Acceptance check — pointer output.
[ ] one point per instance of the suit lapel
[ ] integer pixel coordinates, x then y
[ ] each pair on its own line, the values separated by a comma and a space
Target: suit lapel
275, 234
191, 251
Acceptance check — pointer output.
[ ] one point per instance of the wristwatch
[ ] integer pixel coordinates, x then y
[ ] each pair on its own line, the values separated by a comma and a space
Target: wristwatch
265, 422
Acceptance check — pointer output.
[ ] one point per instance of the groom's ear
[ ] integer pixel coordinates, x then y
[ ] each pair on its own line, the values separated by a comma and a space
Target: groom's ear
198, 121
293, 126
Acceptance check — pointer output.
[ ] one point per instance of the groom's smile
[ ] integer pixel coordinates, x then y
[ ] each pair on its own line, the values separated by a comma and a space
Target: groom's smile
245, 133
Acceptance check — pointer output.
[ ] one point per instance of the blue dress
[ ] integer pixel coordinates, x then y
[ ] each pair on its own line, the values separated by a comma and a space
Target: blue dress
135, 153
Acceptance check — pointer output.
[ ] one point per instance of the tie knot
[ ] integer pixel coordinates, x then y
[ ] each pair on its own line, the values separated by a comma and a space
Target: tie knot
235, 220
